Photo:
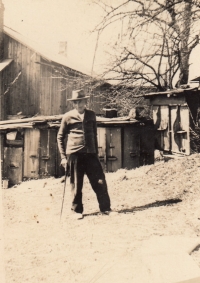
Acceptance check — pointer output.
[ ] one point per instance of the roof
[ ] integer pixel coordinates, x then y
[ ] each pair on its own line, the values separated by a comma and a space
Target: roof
45, 52
28, 122
5, 63
54, 122
172, 92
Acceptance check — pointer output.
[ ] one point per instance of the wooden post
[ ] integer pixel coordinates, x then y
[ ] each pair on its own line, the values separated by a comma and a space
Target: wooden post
1, 30
2, 266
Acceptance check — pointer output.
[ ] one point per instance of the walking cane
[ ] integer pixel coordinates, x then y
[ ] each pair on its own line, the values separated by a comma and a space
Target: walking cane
66, 172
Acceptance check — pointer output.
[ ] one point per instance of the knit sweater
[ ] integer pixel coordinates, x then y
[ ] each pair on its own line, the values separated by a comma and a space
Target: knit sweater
76, 135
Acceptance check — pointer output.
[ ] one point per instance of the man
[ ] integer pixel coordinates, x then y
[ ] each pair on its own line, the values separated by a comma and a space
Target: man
79, 128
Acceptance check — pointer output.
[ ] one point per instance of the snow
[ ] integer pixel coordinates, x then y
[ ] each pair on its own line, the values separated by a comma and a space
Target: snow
158, 205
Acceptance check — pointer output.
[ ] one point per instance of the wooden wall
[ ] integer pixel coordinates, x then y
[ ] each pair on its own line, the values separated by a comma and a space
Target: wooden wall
37, 90
52, 99
23, 95
172, 128
5, 80
36, 156
40, 153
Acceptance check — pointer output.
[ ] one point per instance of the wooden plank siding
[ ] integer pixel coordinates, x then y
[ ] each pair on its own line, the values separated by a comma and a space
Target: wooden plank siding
113, 149
1, 99
39, 90
172, 100
48, 144
1, 118
15, 100
131, 151
37, 82
35, 91
28, 82
22, 92
54, 91
184, 126
101, 138
5, 78
31, 153
44, 90
3, 86
13, 164
32, 84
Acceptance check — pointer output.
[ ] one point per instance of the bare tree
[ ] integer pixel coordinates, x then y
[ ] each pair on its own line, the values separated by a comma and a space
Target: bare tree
155, 44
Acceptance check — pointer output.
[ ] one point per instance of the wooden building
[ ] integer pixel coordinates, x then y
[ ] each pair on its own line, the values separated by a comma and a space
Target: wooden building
35, 86
42, 80
175, 119
34, 82
30, 146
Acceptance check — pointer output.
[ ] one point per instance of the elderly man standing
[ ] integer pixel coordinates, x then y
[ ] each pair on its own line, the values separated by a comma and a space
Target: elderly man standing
79, 128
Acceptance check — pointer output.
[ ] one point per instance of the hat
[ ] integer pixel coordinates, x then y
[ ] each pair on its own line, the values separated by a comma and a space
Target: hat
78, 95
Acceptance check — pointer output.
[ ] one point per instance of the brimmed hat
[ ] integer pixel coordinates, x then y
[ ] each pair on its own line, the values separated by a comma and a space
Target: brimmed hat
78, 95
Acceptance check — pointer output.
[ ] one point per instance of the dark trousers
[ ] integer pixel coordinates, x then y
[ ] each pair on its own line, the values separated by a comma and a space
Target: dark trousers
89, 164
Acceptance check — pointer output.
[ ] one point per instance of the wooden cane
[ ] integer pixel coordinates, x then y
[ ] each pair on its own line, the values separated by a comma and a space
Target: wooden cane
64, 191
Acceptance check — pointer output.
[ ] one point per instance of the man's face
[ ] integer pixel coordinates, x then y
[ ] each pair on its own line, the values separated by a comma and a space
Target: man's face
80, 105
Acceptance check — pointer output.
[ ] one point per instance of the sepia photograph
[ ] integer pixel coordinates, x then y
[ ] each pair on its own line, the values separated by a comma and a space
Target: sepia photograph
99, 141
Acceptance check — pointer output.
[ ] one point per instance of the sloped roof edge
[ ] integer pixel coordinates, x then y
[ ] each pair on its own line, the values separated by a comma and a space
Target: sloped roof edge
171, 91
44, 52
54, 121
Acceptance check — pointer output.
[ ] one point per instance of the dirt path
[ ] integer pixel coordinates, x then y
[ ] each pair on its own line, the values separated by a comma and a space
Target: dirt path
160, 200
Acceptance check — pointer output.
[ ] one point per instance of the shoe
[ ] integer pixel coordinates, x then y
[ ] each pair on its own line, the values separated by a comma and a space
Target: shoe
76, 216
110, 213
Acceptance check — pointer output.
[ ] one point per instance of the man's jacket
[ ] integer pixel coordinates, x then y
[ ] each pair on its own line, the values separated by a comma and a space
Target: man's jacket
77, 135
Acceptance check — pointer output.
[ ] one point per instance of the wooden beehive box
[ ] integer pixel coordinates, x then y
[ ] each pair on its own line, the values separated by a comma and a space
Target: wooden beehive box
125, 145
175, 118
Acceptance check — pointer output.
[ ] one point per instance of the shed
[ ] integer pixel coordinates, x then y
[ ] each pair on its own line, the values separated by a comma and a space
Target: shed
175, 119
30, 146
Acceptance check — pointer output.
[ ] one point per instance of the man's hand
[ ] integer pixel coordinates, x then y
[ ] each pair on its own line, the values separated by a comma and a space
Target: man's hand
64, 163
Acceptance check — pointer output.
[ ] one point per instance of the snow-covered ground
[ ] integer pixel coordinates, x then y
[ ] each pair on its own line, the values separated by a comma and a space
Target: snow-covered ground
160, 201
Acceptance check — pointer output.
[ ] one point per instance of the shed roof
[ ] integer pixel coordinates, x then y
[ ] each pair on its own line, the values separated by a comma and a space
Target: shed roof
46, 53
172, 92
54, 121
